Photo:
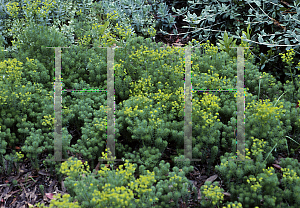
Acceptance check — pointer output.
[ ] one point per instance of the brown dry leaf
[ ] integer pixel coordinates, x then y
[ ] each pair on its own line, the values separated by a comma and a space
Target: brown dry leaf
42, 172
212, 178
63, 186
14, 200
177, 44
49, 195
276, 166
199, 194
30, 205
227, 194
97, 168
32, 194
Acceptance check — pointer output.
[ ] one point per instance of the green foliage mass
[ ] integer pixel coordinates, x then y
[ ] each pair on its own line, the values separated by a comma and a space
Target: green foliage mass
123, 189
149, 114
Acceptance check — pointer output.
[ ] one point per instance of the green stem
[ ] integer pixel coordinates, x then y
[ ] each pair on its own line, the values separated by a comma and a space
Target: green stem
278, 99
32, 179
270, 152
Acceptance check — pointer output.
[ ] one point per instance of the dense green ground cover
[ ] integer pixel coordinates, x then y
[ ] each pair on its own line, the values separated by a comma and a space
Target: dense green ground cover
149, 118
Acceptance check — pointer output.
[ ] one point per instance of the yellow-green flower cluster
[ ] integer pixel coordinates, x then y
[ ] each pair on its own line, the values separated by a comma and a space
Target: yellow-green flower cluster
60, 201
19, 155
289, 177
234, 205
247, 154
100, 31
269, 171
177, 104
174, 182
85, 40
128, 172
105, 156
73, 168
254, 187
264, 110
114, 189
13, 8
48, 121
120, 31
141, 109
63, 201
113, 16
12, 70
97, 26
210, 49
298, 121
67, 110
224, 164
288, 56
133, 112
257, 147
143, 184
25, 96
124, 196
247, 53
166, 99
212, 80
152, 31
246, 94
116, 197
35, 8
101, 123
207, 107
79, 13
145, 55
109, 38
298, 66
212, 192
210, 108
141, 87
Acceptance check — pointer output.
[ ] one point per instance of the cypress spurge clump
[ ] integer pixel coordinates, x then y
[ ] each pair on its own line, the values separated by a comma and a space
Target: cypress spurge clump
290, 182
254, 184
212, 194
120, 188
